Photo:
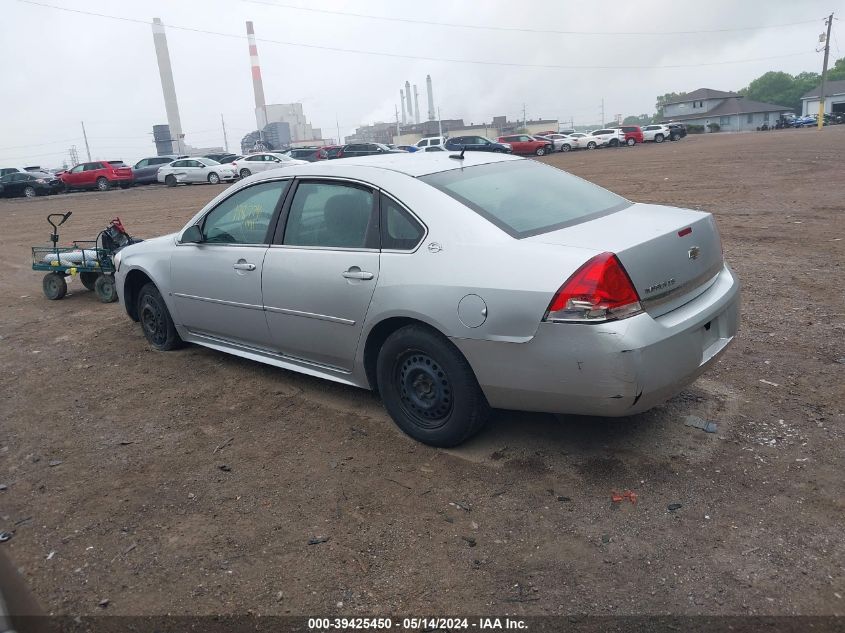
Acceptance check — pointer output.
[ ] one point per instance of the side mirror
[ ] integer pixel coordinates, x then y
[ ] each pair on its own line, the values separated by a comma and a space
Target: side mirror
192, 235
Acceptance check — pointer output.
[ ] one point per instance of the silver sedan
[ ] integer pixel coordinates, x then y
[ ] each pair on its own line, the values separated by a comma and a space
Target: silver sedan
451, 285
195, 170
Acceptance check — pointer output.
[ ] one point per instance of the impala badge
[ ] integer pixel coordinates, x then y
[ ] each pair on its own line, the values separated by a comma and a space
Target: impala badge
694, 252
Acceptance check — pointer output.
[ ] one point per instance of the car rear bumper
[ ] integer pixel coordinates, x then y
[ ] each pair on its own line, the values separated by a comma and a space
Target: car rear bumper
616, 369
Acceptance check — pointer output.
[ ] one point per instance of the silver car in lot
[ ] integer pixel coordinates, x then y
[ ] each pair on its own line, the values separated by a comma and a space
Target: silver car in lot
195, 170
451, 285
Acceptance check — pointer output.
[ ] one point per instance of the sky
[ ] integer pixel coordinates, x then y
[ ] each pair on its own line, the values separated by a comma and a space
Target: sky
554, 58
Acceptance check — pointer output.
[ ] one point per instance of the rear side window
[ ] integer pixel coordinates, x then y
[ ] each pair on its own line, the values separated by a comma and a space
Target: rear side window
331, 215
525, 198
400, 231
244, 217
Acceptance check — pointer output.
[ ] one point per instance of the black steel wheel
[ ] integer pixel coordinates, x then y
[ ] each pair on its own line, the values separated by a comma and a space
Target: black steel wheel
104, 287
54, 285
155, 319
89, 280
428, 387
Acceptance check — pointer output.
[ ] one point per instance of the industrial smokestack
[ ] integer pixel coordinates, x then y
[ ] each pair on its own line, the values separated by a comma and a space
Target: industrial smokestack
408, 101
402, 97
430, 98
416, 105
165, 72
257, 84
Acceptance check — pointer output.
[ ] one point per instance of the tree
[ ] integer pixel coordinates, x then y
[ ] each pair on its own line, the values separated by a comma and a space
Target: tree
642, 119
837, 72
662, 100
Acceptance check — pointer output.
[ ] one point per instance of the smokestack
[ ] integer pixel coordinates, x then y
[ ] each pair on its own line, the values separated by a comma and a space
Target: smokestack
165, 72
416, 105
402, 97
430, 98
408, 101
257, 84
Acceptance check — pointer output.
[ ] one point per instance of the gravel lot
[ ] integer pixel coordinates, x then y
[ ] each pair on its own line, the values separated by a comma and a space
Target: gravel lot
113, 454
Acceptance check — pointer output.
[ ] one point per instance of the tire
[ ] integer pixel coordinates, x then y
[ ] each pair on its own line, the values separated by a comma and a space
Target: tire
591, 145
614, 142
104, 287
30, 192
245, 173
155, 320
428, 387
89, 280
103, 184
658, 138
54, 285
213, 179
170, 180
565, 147
674, 137
630, 142
540, 151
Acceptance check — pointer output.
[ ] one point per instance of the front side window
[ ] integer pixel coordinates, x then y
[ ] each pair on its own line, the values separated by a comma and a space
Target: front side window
255, 159
525, 198
400, 231
328, 214
77, 169
142, 163
244, 217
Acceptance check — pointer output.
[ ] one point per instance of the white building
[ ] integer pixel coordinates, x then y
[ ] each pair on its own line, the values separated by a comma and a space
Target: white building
834, 98
293, 115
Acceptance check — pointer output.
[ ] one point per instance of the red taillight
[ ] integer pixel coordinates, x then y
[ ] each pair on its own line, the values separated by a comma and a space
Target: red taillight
598, 291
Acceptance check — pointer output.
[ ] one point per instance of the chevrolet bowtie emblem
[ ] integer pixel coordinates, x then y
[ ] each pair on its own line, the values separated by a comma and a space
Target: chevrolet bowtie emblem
694, 252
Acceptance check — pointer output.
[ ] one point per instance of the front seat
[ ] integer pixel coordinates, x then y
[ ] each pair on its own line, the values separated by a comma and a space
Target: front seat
347, 217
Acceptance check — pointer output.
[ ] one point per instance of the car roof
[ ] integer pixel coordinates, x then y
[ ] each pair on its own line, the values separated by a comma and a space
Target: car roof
414, 165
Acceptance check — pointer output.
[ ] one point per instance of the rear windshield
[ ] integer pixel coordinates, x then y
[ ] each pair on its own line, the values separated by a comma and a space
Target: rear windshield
525, 198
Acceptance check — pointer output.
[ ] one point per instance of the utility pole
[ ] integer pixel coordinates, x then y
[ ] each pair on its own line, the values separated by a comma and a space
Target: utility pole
337, 125
225, 140
524, 123
824, 71
602, 112
85, 136
398, 132
439, 124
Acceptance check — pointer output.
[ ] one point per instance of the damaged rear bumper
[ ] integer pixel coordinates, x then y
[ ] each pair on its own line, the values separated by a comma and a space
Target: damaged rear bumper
615, 369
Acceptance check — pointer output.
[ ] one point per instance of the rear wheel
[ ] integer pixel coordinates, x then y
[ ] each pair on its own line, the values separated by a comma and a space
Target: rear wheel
245, 173
103, 184
658, 138
213, 178
156, 322
170, 180
565, 147
30, 192
88, 280
614, 142
428, 387
104, 287
630, 142
54, 285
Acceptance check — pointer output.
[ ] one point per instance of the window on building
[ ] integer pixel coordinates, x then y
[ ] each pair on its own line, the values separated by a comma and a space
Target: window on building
765, 116
724, 121
749, 118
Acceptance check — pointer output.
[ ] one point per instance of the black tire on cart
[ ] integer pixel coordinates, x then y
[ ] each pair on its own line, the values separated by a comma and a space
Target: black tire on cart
104, 287
55, 286
89, 280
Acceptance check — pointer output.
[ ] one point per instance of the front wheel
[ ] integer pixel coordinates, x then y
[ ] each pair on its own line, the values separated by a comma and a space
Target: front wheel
245, 173
30, 192
658, 138
565, 147
103, 184
104, 287
54, 285
540, 151
156, 322
630, 142
591, 145
213, 179
428, 387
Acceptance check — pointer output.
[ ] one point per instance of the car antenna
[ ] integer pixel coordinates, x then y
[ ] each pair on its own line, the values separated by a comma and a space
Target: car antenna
459, 156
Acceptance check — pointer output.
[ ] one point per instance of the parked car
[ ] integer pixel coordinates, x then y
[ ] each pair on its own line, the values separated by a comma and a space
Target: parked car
677, 131
15, 170
609, 137
195, 170
475, 144
431, 148
145, 171
525, 144
29, 184
101, 175
254, 163
332, 151
559, 141
656, 133
431, 140
608, 307
581, 140
367, 149
308, 154
408, 148
633, 134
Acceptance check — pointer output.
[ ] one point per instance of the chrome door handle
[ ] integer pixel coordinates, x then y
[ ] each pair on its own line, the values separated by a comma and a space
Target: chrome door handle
357, 274
240, 266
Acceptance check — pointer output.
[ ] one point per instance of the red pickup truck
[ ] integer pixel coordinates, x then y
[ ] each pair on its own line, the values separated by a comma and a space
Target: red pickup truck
101, 174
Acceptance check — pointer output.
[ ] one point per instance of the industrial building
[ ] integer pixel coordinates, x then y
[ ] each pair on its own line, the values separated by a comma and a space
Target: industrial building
834, 98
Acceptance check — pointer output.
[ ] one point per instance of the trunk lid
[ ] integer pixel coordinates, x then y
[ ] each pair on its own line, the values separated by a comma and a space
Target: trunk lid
672, 255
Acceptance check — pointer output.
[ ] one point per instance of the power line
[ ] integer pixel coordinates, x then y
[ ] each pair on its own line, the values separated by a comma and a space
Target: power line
420, 57
70, 140
521, 29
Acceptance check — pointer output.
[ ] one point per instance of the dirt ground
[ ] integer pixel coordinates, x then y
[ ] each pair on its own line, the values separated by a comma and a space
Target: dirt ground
113, 454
